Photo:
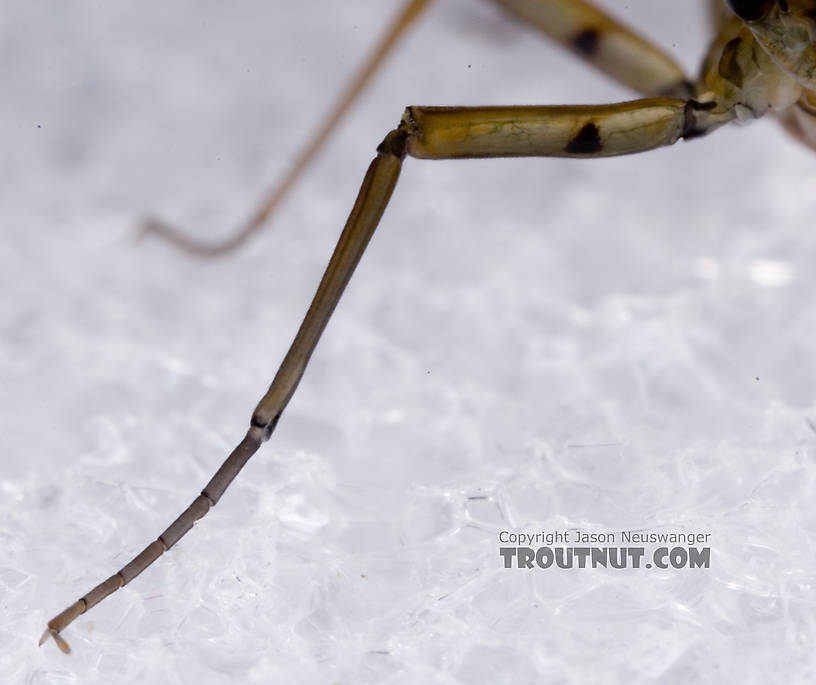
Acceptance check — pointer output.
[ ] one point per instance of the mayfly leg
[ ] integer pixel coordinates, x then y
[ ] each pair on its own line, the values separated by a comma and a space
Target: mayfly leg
372, 199
579, 26
607, 44
429, 133
409, 13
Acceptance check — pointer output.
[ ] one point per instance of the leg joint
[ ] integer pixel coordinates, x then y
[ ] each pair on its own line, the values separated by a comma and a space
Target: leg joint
261, 428
702, 118
396, 142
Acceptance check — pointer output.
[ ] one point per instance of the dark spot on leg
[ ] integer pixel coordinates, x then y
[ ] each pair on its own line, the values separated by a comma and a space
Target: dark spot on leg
586, 142
587, 41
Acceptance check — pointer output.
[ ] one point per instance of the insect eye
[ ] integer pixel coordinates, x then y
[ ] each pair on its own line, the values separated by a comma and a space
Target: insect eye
751, 10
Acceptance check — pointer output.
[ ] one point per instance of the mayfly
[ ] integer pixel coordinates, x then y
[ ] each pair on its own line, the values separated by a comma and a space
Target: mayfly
762, 60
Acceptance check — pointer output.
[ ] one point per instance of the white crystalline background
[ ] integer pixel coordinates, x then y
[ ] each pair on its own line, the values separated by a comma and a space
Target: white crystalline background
528, 345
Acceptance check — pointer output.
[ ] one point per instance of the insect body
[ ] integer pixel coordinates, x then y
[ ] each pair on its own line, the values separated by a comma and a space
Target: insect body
762, 60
